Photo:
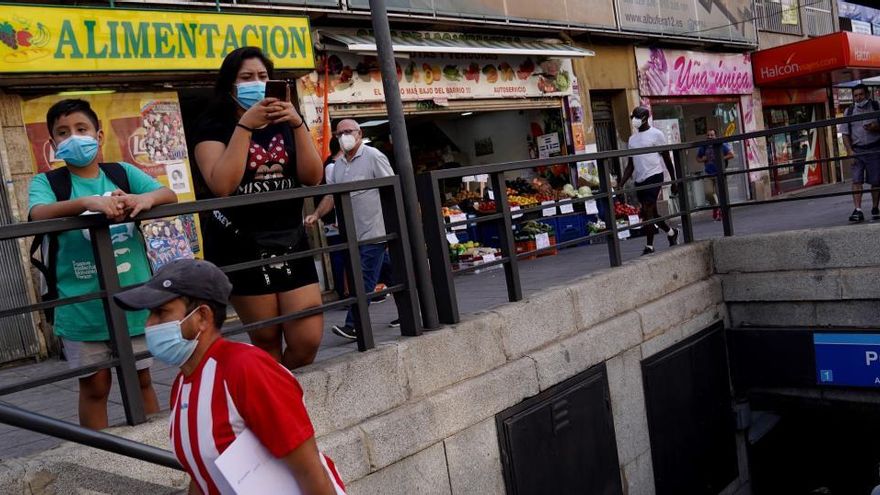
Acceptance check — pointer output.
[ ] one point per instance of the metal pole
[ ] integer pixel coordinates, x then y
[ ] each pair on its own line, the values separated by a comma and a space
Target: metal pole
614, 256
27, 420
723, 193
687, 224
360, 312
117, 324
403, 160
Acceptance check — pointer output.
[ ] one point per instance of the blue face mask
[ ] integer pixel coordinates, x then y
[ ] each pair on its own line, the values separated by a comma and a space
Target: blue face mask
165, 341
248, 94
77, 150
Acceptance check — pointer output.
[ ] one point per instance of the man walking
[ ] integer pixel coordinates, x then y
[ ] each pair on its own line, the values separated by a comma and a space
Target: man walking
706, 155
225, 391
862, 139
648, 169
360, 162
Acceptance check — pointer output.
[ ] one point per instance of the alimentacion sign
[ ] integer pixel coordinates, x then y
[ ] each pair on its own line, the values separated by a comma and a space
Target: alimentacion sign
847, 359
53, 39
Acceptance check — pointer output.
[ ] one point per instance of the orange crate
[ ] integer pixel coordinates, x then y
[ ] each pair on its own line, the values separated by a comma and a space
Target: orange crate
530, 245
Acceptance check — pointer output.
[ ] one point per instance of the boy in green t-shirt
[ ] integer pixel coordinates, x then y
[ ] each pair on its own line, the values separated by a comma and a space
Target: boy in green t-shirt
77, 137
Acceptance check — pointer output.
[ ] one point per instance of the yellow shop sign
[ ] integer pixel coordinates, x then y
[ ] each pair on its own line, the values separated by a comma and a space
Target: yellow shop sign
53, 39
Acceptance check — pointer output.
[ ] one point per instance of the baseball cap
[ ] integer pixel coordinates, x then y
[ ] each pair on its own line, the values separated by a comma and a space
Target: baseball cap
197, 279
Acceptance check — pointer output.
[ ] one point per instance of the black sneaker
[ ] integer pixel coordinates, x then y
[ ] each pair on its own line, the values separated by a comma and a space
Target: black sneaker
394, 323
673, 239
875, 213
857, 216
648, 250
345, 331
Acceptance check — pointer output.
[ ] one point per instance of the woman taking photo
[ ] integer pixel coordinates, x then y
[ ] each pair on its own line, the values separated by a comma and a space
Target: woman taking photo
246, 143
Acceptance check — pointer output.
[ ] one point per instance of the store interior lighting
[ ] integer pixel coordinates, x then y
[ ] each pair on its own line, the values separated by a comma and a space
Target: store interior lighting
83, 92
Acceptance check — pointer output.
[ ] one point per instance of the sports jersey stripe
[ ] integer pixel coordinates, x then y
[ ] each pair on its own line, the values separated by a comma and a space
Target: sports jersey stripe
176, 446
235, 419
207, 449
186, 440
331, 471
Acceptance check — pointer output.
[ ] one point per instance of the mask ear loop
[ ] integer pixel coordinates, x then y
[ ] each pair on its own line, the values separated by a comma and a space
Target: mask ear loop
196, 338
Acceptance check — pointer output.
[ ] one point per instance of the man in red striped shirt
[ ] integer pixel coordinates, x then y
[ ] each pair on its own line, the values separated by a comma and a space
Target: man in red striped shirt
224, 389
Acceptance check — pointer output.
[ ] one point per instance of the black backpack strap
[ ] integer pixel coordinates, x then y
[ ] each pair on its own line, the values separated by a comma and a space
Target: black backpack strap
117, 175
59, 181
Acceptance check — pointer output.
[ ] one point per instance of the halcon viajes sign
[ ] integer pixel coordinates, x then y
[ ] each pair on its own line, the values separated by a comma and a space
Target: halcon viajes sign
52, 39
678, 72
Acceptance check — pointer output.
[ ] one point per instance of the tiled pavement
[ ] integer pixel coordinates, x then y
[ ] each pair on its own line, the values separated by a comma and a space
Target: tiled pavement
475, 292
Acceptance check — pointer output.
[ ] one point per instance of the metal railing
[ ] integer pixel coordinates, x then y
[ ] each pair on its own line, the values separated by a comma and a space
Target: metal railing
504, 220
403, 289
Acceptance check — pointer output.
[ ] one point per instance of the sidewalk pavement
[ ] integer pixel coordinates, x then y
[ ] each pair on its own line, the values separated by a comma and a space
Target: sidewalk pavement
476, 292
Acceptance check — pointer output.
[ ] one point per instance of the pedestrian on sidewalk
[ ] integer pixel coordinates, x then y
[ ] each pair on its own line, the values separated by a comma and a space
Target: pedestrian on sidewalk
647, 169
706, 156
360, 162
119, 191
225, 390
247, 143
862, 139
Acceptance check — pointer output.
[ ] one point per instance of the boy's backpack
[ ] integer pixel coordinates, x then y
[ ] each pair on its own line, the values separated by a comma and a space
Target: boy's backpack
60, 182
849, 111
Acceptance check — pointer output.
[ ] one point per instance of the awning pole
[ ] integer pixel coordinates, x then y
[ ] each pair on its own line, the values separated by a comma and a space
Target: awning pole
403, 161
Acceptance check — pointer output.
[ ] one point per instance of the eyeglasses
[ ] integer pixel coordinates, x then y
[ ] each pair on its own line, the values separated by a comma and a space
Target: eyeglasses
345, 132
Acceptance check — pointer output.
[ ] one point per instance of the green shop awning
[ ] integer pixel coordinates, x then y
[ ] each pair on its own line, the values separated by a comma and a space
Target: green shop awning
435, 42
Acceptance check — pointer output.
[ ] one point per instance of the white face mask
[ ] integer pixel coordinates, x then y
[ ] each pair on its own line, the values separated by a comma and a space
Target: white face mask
347, 142
636, 123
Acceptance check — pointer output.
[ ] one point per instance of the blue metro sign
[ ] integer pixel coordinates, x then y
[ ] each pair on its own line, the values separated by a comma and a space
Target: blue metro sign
849, 359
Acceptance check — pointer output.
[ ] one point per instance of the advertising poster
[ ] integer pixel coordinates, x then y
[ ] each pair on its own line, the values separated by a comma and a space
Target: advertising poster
354, 78
143, 129
731, 20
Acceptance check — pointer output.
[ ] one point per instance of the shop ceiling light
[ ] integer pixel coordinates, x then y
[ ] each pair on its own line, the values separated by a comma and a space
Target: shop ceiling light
465, 114
83, 92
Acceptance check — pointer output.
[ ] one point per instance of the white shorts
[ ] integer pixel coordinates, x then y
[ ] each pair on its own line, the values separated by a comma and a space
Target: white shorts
80, 353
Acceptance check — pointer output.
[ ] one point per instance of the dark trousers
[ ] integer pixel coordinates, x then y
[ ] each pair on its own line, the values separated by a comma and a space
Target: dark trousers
372, 257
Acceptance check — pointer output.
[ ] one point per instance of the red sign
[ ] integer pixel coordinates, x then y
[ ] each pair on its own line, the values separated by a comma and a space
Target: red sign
816, 56
779, 97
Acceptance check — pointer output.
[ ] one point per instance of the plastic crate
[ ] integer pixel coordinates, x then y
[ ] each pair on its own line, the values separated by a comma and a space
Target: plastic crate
570, 227
525, 246
486, 233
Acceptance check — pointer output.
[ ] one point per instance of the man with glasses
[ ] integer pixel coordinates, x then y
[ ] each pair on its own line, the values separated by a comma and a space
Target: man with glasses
360, 162
862, 139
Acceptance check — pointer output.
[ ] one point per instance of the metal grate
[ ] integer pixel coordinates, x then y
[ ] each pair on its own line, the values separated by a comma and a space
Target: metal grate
778, 16
818, 18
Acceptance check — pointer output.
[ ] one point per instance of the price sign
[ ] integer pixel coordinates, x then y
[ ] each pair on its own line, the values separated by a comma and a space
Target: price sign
491, 194
542, 241
515, 208
634, 219
483, 178
451, 238
460, 217
548, 212
469, 178
488, 258
566, 208
592, 207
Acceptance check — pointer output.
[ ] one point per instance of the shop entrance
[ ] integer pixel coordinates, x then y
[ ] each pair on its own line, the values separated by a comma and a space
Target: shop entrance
602, 108
795, 148
689, 122
816, 449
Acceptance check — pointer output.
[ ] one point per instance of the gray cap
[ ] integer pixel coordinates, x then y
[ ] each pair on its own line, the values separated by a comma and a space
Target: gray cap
197, 279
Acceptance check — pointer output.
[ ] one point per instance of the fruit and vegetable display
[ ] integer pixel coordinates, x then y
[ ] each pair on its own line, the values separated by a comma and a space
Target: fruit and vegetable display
533, 228
624, 210
595, 227
569, 191
448, 211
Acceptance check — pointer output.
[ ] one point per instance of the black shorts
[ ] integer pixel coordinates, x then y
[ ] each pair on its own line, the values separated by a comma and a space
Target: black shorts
225, 250
650, 194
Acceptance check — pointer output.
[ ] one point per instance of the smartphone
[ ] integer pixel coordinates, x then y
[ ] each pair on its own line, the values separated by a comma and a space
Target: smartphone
277, 89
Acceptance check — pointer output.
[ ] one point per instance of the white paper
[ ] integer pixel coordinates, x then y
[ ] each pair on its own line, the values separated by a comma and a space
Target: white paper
566, 208
483, 178
469, 178
178, 177
458, 218
592, 207
549, 212
633, 219
515, 208
542, 241
623, 234
488, 257
250, 468
451, 238
491, 195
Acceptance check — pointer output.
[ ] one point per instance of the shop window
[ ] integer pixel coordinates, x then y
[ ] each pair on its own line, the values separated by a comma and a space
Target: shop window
562, 440
690, 416
818, 18
778, 16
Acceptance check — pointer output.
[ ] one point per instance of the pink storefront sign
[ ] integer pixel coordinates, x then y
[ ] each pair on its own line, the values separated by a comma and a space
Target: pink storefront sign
679, 73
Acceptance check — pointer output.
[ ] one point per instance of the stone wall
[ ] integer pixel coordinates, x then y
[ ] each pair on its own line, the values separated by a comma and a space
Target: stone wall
811, 278
417, 415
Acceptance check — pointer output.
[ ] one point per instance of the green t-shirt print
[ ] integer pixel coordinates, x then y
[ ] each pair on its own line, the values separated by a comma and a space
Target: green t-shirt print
75, 267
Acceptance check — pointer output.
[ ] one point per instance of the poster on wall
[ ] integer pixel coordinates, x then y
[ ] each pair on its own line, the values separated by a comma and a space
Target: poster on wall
143, 129
663, 72
354, 78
